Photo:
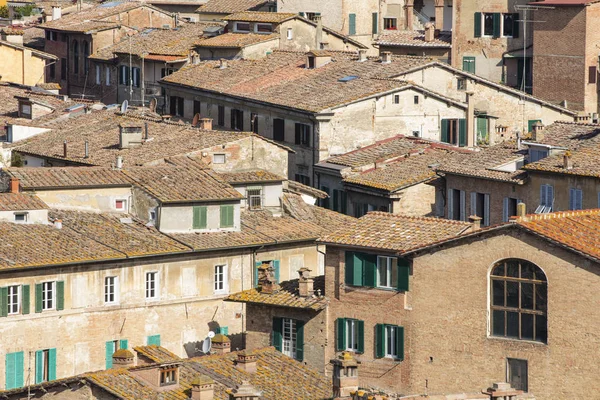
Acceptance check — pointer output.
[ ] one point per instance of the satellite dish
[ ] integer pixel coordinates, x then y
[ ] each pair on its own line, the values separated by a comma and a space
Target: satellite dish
206, 345
153, 104
211, 334
124, 106
196, 120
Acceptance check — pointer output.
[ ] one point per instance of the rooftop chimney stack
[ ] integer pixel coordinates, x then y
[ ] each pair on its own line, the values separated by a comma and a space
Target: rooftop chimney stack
202, 388
521, 210
429, 32
244, 392
65, 149
475, 223
14, 185
362, 55
319, 36
386, 57
119, 162
345, 375
130, 135
56, 12
568, 160
13, 35
538, 131
86, 151
223, 63
206, 124
266, 279
123, 358
246, 362
57, 223
305, 283
220, 344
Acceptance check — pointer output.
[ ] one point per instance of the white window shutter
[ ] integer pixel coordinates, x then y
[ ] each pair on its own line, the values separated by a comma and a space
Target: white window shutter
463, 205
473, 203
505, 215
486, 209
450, 203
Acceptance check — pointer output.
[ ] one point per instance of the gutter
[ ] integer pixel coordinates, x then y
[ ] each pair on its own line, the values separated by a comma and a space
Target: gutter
548, 146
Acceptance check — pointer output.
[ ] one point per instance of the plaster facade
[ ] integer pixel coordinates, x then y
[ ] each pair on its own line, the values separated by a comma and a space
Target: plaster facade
97, 199
21, 65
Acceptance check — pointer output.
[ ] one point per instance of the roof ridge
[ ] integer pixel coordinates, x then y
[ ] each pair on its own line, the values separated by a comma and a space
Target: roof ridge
417, 218
556, 215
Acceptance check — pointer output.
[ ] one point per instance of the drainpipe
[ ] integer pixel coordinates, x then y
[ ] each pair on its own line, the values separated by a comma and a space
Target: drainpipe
470, 120
314, 145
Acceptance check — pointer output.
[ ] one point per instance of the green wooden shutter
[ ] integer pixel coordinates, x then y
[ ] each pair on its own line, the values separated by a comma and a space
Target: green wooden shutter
276, 272
445, 134
223, 330
462, 132
199, 220
340, 343
154, 340
496, 24
400, 342
302, 14
352, 24
19, 369
26, 298
361, 336
380, 340
51, 364
3, 302
477, 24
277, 333
109, 350
375, 23
530, 124
39, 366
369, 270
358, 266
403, 274
256, 265
299, 340
60, 295
123, 344
226, 216
516, 25
9, 371
349, 268
38, 297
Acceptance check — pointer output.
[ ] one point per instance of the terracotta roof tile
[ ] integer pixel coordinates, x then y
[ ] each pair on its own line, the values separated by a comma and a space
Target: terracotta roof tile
231, 6
328, 220
398, 233
68, 177
235, 40
253, 176
157, 354
20, 202
300, 188
403, 38
259, 16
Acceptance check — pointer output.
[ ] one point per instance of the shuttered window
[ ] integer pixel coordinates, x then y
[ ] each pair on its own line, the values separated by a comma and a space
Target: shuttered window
199, 217
389, 341
575, 199
45, 365
352, 24
369, 270
469, 64
153, 340
288, 337
49, 296
375, 23
477, 25
227, 217
14, 370
350, 335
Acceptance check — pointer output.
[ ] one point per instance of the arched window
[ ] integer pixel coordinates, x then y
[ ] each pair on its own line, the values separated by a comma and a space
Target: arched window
75, 57
519, 297
86, 54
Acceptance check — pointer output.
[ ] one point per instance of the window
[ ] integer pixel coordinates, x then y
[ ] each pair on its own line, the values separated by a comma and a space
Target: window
369, 270
508, 24
220, 279
237, 120
63, 68
176, 106
221, 115
396, 99
168, 376
518, 301
575, 199
496, 25
340, 200
75, 57
290, 34
166, 72
151, 285
153, 340
303, 134
14, 370
21, 217
254, 196
350, 335
263, 28
107, 75
121, 205
223, 330
136, 80
516, 374
14, 299
197, 105
289, 337
546, 199
456, 201
390, 23
536, 154
325, 202
123, 75
352, 24
111, 290
199, 217
48, 293
469, 64
226, 220
48, 296
219, 158
416, 99
454, 131
387, 272
480, 206
111, 347
509, 208
98, 77
303, 179
488, 24
52, 70
311, 15
254, 122
278, 129
461, 84
242, 27
86, 61
593, 74
45, 365
389, 341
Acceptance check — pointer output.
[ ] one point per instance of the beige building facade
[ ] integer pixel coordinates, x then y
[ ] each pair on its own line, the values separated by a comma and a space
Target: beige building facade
23, 65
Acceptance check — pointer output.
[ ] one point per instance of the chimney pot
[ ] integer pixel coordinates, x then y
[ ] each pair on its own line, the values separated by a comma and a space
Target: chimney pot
521, 210
246, 362
475, 222
386, 57
220, 344
362, 55
123, 358
202, 388
568, 160
206, 124
223, 63
119, 162
429, 32
14, 185
305, 283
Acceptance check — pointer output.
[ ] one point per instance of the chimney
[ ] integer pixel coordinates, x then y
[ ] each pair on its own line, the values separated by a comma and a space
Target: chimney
501, 391
538, 131
206, 124
14, 185
130, 135
409, 15
202, 388
386, 57
65, 149
429, 32
246, 362
345, 375
362, 55
568, 160
220, 344
57, 223
521, 210
266, 279
123, 358
470, 120
244, 392
13, 35
56, 12
475, 223
86, 150
119, 162
223, 63
305, 283
319, 35
439, 14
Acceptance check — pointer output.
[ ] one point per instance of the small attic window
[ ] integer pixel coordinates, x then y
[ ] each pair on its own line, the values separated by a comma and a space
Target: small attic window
168, 376
348, 78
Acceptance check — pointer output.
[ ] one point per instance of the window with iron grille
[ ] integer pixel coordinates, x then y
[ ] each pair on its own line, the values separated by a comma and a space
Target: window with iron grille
254, 198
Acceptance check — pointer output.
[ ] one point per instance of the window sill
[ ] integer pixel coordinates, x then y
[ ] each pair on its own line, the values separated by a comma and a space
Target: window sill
221, 292
506, 339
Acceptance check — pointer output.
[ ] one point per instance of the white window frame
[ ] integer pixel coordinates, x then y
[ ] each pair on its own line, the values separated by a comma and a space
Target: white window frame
220, 279
390, 341
151, 293
390, 19
124, 208
290, 34
48, 302
289, 337
14, 291
389, 261
111, 282
218, 156
107, 75
352, 335
250, 197
236, 29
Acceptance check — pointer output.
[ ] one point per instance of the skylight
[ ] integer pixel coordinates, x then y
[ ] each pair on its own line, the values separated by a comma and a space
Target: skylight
348, 78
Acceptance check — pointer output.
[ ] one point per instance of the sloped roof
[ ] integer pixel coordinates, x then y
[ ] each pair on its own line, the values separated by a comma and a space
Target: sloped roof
235, 40
402, 38
35, 52
68, 177
584, 163
251, 176
394, 232
231, 6
157, 354
20, 202
259, 16
328, 220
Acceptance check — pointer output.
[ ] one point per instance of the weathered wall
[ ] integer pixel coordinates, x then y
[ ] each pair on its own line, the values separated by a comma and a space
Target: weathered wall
179, 217
442, 54
33, 216
21, 66
271, 194
304, 38
100, 199
562, 184
259, 50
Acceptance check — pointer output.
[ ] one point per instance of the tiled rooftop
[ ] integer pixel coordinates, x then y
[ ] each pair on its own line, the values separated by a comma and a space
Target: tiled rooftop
286, 296
235, 40
402, 38
68, 177
300, 188
20, 202
157, 354
282, 79
570, 135
259, 16
253, 176
328, 220
393, 232
231, 6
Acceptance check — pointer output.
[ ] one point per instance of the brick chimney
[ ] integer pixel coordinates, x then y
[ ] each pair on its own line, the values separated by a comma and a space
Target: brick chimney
202, 388
123, 358
244, 392
475, 222
429, 32
345, 375
305, 283
386, 57
246, 362
266, 279
567, 160
538, 131
220, 344
14, 185
206, 124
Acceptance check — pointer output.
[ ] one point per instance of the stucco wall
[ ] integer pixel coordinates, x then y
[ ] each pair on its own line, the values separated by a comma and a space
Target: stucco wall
100, 199
562, 184
21, 66
179, 218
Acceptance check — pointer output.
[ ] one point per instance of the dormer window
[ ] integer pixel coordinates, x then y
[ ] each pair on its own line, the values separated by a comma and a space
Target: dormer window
242, 27
21, 217
254, 195
168, 376
263, 28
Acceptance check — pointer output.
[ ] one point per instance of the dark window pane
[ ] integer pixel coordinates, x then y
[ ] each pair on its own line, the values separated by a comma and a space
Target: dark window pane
539, 275
512, 324
512, 269
508, 25
498, 270
512, 294
541, 297
527, 270
527, 296
498, 289
498, 323
488, 24
541, 329
527, 326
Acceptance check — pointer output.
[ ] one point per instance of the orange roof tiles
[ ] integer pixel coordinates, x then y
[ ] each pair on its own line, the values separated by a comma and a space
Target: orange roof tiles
156, 354
231, 6
68, 177
403, 38
20, 202
235, 40
258, 16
